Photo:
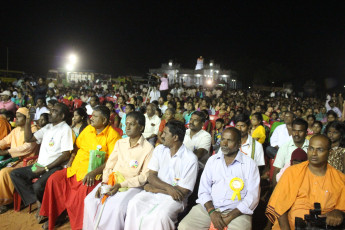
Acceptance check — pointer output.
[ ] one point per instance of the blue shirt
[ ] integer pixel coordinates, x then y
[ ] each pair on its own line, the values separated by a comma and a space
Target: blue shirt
215, 183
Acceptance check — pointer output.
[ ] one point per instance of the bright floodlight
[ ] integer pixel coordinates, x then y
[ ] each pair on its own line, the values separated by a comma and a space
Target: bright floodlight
69, 67
209, 82
72, 58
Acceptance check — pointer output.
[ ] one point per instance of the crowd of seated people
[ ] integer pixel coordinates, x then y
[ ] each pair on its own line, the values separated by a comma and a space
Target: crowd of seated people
120, 156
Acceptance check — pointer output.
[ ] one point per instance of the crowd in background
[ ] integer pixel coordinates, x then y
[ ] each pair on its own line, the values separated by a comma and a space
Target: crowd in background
269, 118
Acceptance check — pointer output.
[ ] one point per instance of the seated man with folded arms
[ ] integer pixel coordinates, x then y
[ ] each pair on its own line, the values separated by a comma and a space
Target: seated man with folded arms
302, 185
15, 146
123, 177
56, 141
197, 139
67, 188
229, 189
173, 171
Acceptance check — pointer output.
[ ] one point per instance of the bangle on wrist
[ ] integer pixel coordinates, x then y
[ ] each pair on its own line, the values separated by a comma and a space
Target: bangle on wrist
211, 211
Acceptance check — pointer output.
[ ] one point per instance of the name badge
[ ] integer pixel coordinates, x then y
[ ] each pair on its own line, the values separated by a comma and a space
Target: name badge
236, 185
133, 164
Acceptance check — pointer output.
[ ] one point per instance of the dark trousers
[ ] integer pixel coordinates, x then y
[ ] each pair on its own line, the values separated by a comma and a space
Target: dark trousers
28, 191
271, 152
164, 94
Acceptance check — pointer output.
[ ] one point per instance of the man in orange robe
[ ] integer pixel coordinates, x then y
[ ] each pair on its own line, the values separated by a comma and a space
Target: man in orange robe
13, 144
304, 184
66, 189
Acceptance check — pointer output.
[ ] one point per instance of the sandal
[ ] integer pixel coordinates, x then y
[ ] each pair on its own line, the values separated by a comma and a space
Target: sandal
3, 209
45, 226
41, 219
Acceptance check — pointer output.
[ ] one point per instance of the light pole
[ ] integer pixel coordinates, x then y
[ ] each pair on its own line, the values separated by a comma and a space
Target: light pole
70, 65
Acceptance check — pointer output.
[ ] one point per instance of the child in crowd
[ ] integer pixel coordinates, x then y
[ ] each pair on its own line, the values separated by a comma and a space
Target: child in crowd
217, 133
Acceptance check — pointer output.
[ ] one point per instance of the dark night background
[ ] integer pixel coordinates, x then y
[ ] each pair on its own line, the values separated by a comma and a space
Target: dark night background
262, 40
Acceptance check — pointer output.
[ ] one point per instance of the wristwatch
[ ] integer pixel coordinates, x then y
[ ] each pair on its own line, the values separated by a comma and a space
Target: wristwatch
46, 168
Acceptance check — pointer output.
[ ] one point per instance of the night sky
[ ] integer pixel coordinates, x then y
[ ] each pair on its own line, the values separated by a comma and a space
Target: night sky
305, 41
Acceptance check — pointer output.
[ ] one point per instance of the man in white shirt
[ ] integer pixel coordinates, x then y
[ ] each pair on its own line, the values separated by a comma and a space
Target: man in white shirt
299, 132
152, 124
56, 141
281, 135
249, 146
50, 95
94, 101
330, 105
154, 94
173, 171
174, 91
197, 139
40, 108
163, 107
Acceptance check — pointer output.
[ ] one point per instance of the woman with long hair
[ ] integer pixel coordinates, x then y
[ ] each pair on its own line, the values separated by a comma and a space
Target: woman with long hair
335, 130
79, 121
114, 119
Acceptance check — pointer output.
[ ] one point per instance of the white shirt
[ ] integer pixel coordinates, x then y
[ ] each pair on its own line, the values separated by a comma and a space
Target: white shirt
247, 149
163, 108
151, 125
200, 140
39, 111
280, 136
335, 109
180, 169
154, 95
54, 140
50, 98
284, 153
89, 109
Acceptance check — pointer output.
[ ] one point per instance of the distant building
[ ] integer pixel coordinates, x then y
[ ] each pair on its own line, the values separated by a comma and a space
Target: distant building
203, 75
77, 76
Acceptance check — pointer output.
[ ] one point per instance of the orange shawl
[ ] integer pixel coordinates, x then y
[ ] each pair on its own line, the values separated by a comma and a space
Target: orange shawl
285, 193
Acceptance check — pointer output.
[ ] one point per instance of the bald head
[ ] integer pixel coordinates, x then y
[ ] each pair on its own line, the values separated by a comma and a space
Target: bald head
322, 138
318, 150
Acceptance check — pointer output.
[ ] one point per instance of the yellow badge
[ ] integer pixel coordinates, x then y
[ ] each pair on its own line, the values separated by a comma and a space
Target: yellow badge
236, 185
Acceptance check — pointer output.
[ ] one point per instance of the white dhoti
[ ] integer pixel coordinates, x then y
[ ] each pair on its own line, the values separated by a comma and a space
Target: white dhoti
152, 211
114, 212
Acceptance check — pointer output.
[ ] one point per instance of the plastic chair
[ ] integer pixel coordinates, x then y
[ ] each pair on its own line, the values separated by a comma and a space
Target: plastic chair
67, 102
110, 99
17, 200
101, 100
77, 103
271, 162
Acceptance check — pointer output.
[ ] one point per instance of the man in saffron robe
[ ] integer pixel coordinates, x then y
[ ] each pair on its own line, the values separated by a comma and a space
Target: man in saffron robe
66, 189
304, 184
14, 145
